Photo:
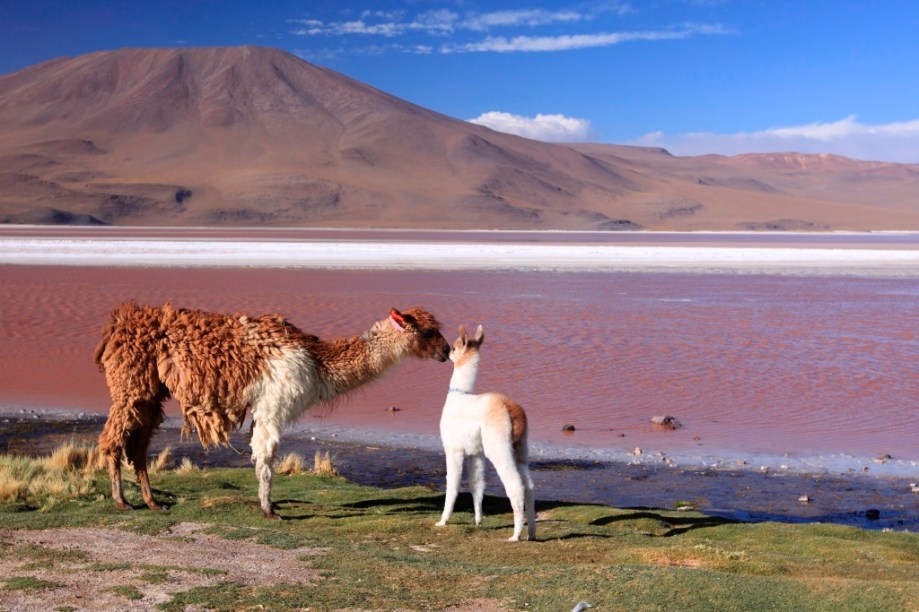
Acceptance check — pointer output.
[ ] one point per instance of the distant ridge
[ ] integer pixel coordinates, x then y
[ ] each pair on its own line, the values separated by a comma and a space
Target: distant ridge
256, 136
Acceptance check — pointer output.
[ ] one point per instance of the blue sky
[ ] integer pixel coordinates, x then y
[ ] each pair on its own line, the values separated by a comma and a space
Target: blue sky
694, 76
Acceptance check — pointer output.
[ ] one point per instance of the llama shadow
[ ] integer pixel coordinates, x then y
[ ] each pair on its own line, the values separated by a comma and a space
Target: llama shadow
433, 503
286, 506
164, 498
677, 525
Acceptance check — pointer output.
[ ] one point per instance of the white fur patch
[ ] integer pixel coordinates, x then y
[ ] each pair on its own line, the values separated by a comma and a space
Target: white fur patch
287, 389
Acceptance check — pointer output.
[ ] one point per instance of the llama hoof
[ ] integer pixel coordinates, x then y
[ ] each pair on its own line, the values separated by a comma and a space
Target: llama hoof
123, 506
514, 539
273, 515
157, 507
440, 524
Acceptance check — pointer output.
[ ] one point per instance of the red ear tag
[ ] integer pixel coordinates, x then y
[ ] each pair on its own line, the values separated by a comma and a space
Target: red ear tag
397, 322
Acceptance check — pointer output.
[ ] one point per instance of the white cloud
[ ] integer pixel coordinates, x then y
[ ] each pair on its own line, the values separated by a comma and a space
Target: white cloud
434, 23
446, 23
896, 142
523, 17
500, 44
547, 128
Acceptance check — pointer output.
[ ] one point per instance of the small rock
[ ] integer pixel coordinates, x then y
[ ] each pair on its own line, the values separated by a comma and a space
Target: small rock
637, 450
884, 458
805, 499
914, 487
568, 427
393, 409
666, 422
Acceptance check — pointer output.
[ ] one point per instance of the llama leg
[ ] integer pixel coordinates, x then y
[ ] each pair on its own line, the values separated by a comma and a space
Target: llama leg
151, 415
454, 474
264, 446
114, 470
529, 499
506, 467
111, 444
477, 484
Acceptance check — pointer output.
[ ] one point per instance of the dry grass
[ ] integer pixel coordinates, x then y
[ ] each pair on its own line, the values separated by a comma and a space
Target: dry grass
67, 473
163, 461
187, 467
291, 464
322, 465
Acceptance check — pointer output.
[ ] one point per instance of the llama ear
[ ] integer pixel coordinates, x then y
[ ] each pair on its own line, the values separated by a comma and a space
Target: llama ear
397, 320
479, 335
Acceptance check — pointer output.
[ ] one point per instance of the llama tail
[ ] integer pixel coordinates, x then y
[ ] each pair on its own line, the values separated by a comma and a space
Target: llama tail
108, 330
518, 429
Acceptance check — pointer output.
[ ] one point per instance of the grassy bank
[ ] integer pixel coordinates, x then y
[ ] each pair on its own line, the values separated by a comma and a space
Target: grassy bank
369, 548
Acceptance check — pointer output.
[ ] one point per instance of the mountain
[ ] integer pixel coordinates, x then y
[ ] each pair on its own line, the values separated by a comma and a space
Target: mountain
255, 136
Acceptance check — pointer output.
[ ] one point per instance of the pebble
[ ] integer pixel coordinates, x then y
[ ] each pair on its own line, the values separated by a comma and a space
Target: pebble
568, 427
667, 422
804, 499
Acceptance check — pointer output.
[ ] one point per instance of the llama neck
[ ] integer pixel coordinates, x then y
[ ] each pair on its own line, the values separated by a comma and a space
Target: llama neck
464, 375
345, 364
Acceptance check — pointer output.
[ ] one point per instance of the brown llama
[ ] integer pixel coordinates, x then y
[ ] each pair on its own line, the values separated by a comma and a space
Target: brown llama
220, 366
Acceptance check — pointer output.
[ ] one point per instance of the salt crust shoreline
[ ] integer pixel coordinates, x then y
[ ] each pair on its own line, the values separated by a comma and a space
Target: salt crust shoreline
456, 255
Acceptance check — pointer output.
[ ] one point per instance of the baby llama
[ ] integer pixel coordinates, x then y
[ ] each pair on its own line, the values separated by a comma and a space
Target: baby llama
484, 425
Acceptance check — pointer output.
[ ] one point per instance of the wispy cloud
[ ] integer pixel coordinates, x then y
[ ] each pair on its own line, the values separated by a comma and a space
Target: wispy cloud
547, 128
501, 44
452, 32
433, 23
896, 142
524, 17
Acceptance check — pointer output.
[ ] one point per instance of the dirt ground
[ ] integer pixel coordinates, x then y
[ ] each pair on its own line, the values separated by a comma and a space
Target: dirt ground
193, 560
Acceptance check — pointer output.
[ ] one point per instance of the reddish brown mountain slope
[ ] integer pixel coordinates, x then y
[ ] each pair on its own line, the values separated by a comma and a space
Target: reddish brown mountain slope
255, 136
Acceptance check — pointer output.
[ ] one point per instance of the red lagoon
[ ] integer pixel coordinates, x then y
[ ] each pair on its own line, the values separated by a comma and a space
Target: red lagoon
748, 364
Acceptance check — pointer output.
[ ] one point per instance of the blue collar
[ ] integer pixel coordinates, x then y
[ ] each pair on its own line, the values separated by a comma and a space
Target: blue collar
455, 390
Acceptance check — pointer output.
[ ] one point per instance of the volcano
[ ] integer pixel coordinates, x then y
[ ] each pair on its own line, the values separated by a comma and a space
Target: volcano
245, 136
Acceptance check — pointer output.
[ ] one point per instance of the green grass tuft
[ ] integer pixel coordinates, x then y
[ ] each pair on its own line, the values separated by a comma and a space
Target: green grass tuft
28, 583
128, 592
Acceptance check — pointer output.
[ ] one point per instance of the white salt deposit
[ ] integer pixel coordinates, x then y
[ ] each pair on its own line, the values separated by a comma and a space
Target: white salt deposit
454, 255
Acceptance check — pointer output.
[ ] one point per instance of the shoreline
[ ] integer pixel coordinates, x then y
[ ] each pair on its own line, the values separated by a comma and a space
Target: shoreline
725, 489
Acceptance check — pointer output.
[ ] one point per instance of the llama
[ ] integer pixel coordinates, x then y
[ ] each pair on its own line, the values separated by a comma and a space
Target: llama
220, 366
485, 425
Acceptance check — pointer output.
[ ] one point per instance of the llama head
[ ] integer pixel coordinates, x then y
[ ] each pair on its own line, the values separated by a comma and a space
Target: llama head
465, 347
424, 337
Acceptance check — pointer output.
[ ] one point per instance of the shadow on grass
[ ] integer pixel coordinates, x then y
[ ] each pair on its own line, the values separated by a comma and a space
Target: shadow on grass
678, 525
491, 505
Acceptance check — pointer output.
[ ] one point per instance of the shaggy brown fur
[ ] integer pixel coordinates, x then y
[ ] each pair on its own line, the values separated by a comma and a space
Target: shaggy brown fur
220, 366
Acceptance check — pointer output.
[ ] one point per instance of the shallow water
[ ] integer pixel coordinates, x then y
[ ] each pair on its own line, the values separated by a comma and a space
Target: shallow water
749, 364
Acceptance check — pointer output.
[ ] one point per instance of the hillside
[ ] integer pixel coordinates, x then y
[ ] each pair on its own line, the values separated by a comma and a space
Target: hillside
255, 136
